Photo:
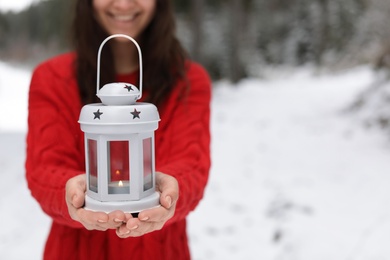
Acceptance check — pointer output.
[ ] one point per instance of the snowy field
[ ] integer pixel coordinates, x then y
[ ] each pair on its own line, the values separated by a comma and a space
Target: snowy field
294, 176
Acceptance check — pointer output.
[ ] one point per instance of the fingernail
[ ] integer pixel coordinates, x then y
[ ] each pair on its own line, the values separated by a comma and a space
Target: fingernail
135, 227
101, 221
145, 219
169, 199
118, 220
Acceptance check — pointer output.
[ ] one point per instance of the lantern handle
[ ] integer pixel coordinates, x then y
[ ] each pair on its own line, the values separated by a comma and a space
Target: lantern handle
139, 55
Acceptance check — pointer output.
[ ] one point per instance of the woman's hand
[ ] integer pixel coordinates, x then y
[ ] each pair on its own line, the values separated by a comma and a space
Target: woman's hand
75, 198
153, 219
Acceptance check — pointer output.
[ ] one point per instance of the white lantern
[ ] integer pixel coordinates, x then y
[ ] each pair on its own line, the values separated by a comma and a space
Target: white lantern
119, 146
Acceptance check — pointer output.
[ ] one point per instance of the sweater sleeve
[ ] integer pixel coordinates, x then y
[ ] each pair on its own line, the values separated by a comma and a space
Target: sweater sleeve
187, 153
54, 153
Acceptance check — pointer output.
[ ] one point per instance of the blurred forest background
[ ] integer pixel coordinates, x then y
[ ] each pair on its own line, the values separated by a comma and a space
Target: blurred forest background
236, 39
232, 38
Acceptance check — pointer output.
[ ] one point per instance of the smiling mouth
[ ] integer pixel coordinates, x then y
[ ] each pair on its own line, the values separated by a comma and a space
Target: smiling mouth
124, 18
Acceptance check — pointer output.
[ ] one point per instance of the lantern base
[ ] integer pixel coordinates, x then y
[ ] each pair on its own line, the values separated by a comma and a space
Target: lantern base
130, 206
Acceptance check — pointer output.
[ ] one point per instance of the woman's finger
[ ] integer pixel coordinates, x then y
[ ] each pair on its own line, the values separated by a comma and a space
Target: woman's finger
169, 188
75, 191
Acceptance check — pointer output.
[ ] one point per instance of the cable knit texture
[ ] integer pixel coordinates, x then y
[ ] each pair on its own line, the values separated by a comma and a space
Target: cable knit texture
55, 153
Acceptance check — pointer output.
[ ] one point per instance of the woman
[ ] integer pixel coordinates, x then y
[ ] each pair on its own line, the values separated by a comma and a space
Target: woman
55, 168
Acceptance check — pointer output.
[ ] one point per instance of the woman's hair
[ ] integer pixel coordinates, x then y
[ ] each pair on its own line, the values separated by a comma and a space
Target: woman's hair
163, 56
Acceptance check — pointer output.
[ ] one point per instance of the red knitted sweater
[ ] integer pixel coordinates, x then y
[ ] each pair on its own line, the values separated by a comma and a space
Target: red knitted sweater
55, 153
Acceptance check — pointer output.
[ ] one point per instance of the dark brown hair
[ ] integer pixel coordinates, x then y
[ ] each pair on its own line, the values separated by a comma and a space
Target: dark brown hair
163, 63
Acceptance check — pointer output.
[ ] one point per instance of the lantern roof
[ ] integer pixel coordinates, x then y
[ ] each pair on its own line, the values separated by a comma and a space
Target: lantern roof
119, 119
118, 93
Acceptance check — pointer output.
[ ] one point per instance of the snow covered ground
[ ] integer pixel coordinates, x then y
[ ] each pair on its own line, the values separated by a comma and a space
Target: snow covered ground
294, 176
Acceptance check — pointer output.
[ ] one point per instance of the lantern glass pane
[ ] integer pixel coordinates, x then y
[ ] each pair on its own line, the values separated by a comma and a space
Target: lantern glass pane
148, 164
92, 165
118, 167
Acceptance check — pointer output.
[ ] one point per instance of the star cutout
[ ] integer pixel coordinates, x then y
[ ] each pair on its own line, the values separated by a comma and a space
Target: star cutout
135, 113
97, 114
129, 87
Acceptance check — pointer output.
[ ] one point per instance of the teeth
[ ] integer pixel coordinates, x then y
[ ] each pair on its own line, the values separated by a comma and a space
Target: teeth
124, 18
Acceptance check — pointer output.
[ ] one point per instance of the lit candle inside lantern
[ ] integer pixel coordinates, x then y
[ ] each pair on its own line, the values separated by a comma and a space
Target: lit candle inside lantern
119, 187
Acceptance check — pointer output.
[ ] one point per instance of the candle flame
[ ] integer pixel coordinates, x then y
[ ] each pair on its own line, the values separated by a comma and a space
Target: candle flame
120, 184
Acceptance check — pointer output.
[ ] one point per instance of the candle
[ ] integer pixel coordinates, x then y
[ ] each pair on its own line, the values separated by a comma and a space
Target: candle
119, 187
